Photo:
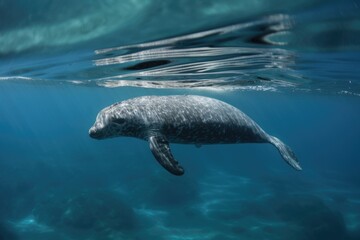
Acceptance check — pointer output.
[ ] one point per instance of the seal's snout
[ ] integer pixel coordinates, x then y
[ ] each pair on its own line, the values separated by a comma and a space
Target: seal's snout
93, 133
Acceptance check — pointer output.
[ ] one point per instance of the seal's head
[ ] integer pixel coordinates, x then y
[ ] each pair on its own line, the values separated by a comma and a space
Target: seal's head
110, 122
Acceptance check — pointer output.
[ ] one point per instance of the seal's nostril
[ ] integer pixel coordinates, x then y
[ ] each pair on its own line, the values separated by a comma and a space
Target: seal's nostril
92, 132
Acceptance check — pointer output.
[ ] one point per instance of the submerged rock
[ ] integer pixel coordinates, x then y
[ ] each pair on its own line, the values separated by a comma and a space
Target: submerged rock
6, 232
97, 210
313, 217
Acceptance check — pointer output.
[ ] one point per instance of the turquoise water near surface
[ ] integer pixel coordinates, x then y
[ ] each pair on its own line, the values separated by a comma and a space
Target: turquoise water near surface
292, 67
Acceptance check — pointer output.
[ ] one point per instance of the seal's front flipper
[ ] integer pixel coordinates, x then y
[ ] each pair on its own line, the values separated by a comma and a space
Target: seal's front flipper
159, 146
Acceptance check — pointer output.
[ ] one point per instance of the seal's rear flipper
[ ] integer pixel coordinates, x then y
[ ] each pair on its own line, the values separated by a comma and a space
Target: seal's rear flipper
285, 151
159, 146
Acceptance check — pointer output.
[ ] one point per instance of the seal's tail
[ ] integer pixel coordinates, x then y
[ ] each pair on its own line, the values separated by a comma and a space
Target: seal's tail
285, 151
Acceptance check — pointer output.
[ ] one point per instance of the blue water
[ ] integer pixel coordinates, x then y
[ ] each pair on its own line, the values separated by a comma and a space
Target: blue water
293, 67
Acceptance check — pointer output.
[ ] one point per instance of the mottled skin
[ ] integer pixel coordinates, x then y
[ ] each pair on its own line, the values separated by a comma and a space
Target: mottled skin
183, 119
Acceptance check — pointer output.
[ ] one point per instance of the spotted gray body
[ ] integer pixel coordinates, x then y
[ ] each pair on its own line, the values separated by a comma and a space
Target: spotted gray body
183, 119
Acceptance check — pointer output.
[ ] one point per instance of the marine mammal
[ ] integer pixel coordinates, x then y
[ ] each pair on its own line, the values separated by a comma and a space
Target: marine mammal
186, 119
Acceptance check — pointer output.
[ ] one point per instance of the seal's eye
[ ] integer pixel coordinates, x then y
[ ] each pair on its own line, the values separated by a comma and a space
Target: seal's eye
119, 121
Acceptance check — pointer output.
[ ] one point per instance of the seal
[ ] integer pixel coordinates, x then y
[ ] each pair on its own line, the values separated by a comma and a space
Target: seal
185, 119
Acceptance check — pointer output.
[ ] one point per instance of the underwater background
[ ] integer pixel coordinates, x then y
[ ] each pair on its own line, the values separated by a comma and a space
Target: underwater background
292, 66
